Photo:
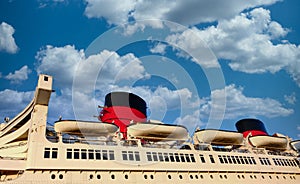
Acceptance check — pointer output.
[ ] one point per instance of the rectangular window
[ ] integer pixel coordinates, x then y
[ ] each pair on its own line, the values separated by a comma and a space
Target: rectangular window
54, 152
111, 155
137, 156
177, 157
149, 158
160, 157
154, 154
172, 157
47, 153
253, 160
202, 158
212, 160
238, 159
83, 154
187, 158
246, 160
124, 155
104, 155
233, 159
91, 154
76, 154
182, 157
229, 159
98, 154
225, 159
241, 158
221, 159
192, 158
130, 154
166, 157
69, 153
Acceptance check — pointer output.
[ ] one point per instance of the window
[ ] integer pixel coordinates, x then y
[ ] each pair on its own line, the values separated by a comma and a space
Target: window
54, 152
91, 154
124, 155
76, 154
130, 154
98, 154
111, 155
202, 158
192, 158
51, 153
212, 160
69, 153
104, 155
221, 159
137, 156
160, 157
47, 153
149, 157
83, 154
172, 157
177, 157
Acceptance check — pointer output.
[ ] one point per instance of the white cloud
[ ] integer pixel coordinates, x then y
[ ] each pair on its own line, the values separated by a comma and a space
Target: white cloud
19, 75
102, 69
7, 41
247, 42
191, 121
159, 48
189, 12
12, 102
238, 105
291, 99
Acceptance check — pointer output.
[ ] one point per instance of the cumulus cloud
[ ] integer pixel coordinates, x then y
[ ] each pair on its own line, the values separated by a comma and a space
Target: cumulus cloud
7, 41
85, 81
19, 75
247, 42
12, 102
238, 105
159, 48
189, 12
291, 99
104, 68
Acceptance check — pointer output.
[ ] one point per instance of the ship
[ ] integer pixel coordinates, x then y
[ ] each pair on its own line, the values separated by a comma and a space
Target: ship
123, 146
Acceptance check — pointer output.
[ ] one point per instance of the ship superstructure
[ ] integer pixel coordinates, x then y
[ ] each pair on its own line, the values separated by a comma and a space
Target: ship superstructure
125, 147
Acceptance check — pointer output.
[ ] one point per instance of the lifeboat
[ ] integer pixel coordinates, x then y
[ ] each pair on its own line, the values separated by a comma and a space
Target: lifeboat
85, 127
295, 145
266, 141
157, 131
219, 137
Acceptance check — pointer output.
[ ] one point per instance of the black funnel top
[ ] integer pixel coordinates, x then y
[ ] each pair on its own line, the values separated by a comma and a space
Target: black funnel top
244, 125
127, 100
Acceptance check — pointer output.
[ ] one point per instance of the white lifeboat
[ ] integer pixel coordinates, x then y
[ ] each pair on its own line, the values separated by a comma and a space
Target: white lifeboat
266, 141
85, 127
296, 145
157, 131
219, 137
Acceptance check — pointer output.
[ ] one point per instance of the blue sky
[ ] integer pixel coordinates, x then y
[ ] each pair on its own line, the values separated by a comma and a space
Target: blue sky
197, 63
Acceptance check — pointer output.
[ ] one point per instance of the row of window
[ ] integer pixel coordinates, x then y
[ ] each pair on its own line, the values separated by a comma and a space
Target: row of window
285, 162
50, 153
170, 157
264, 161
226, 159
90, 154
131, 155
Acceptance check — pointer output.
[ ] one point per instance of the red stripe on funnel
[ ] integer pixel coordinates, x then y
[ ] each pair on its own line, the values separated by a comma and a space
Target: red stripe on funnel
121, 116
